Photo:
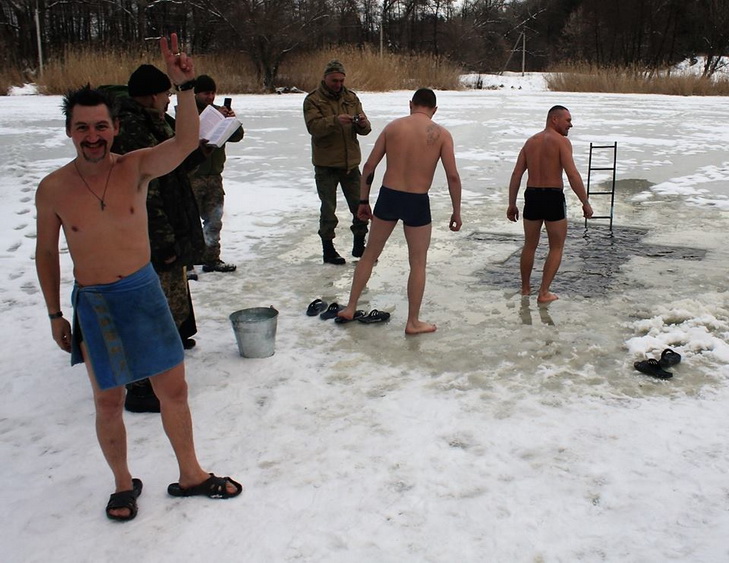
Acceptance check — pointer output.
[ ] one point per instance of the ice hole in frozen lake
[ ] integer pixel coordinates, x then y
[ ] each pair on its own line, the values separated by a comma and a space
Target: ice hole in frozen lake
591, 261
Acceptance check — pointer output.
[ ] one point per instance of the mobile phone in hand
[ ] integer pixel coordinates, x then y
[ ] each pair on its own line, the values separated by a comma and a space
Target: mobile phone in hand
227, 102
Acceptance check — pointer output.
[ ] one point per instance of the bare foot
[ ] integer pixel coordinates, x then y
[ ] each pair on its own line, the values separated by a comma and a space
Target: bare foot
547, 298
526, 290
419, 327
346, 313
120, 513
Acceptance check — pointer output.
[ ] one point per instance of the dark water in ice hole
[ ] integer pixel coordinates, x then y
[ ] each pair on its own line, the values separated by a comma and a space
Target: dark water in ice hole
591, 261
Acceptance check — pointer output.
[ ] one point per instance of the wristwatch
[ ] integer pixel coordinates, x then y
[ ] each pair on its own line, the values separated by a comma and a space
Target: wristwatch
189, 85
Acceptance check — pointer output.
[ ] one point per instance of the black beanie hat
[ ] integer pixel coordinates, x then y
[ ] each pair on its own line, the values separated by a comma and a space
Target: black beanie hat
204, 83
148, 80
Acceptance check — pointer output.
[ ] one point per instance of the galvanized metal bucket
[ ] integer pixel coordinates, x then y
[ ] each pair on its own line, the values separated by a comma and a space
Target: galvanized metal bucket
255, 331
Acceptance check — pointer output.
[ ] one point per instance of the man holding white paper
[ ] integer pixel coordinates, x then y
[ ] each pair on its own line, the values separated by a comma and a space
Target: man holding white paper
216, 123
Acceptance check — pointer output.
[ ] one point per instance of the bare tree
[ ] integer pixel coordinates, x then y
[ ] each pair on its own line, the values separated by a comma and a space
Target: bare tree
267, 31
477, 33
712, 23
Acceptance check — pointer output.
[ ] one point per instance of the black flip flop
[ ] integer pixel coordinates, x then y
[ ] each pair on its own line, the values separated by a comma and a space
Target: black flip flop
316, 307
358, 314
212, 487
653, 368
331, 311
375, 316
125, 499
669, 358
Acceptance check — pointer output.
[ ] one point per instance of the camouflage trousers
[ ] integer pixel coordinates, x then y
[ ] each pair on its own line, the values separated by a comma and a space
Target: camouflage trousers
327, 180
174, 285
210, 198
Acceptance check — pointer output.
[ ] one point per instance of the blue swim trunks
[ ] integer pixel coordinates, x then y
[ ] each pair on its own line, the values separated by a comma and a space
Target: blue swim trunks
413, 209
127, 327
544, 204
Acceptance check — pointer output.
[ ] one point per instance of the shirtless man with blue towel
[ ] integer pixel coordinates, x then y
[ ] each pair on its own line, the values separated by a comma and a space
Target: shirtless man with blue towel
122, 327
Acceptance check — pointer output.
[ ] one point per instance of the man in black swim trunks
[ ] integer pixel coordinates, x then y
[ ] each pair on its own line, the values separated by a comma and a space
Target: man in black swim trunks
413, 145
545, 156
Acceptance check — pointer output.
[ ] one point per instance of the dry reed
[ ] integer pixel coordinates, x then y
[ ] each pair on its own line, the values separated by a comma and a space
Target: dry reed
366, 71
632, 80
13, 77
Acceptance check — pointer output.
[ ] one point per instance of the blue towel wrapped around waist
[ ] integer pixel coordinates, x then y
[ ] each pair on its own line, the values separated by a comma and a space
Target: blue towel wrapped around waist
127, 327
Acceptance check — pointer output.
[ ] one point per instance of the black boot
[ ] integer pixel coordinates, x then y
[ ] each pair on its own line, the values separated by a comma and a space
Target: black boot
358, 246
141, 397
331, 256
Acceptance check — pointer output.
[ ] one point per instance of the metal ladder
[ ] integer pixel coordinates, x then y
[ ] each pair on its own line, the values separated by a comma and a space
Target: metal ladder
611, 192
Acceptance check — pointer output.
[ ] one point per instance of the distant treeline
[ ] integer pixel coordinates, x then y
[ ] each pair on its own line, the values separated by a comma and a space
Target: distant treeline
480, 35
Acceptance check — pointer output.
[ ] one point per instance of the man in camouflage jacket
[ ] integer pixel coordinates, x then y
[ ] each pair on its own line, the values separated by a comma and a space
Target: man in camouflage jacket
334, 117
207, 181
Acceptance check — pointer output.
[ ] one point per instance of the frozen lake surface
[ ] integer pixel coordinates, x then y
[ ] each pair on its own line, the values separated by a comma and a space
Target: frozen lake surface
513, 433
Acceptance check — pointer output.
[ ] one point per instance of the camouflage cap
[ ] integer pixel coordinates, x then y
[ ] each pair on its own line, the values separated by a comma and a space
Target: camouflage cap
334, 66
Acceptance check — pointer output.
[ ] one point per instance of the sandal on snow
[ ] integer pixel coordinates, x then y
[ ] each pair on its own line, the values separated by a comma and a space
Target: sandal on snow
316, 307
669, 358
358, 314
125, 499
653, 368
375, 316
212, 487
331, 311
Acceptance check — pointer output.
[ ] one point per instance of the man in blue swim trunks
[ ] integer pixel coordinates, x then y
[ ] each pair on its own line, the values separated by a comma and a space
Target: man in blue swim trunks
545, 156
413, 145
122, 326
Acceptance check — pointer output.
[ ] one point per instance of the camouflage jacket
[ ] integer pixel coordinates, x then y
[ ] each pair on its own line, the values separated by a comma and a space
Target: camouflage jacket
333, 144
174, 220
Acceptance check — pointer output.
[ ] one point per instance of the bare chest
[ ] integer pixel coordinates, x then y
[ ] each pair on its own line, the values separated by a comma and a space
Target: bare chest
98, 214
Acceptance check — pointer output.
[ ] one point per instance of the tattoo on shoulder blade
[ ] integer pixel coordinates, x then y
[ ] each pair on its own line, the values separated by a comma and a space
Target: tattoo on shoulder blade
433, 134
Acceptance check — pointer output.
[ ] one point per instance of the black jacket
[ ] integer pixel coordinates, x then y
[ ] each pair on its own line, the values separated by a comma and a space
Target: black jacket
174, 219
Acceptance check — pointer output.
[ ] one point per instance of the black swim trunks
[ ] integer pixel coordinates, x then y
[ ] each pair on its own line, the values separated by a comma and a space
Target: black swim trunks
413, 209
544, 204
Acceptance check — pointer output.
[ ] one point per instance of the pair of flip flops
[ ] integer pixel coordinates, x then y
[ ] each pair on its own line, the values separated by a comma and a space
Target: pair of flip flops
657, 368
323, 309
316, 307
358, 314
374, 316
331, 311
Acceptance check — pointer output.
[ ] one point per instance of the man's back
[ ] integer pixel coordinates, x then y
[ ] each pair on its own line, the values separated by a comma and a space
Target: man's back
413, 145
543, 159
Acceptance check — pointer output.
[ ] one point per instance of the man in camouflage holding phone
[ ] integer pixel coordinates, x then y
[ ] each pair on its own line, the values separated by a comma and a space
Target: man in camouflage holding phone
207, 181
334, 117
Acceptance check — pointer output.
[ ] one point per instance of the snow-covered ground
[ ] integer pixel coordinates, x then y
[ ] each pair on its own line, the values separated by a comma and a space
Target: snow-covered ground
514, 433
529, 81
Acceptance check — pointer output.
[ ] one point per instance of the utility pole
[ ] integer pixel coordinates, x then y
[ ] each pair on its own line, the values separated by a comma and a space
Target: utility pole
523, 52
522, 38
38, 40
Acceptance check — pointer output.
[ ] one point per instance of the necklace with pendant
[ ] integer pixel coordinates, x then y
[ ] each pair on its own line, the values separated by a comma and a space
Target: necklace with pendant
102, 203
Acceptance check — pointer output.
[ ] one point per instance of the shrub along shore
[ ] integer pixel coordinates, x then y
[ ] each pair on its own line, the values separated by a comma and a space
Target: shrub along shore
366, 71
